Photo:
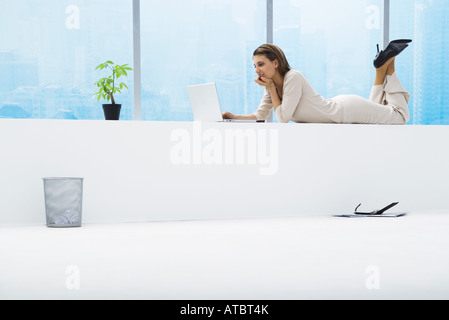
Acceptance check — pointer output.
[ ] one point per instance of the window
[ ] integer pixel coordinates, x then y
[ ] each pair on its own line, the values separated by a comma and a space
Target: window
49, 51
333, 43
424, 67
199, 41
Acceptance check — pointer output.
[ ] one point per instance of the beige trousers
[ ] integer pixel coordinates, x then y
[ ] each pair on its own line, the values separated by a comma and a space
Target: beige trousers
388, 104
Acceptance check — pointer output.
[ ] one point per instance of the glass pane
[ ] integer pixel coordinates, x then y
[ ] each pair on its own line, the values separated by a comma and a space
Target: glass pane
425, 64
48, 54
199, 41
333, 43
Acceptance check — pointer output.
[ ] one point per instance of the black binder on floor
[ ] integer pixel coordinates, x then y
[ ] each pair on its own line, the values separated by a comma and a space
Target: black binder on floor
376, 213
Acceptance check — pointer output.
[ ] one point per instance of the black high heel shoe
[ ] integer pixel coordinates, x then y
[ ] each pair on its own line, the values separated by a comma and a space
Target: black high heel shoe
394, 48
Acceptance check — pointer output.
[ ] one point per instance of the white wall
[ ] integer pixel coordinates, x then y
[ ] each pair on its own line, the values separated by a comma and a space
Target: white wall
131, 171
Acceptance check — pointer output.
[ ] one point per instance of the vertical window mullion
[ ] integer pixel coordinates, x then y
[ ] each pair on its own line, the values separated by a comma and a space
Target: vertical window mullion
270, 37
386, 23
269, 21
137, 61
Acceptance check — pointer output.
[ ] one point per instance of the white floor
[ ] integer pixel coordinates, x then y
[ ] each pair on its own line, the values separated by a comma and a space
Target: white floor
285, 258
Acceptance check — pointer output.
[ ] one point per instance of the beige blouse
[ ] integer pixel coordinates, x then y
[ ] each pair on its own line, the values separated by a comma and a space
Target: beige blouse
301, 103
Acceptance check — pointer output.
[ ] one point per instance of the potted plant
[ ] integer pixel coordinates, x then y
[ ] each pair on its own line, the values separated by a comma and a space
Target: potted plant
109, 86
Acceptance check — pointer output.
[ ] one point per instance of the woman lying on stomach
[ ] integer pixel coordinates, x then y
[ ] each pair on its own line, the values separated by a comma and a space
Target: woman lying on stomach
292, 97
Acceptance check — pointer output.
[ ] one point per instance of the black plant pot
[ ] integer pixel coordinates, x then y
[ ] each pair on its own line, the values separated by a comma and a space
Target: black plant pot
112, 111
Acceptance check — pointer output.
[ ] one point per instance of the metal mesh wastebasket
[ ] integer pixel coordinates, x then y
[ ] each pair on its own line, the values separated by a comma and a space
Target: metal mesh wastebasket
63, 202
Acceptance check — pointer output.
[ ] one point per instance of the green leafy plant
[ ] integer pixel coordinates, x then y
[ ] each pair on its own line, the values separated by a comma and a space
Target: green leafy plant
109, 86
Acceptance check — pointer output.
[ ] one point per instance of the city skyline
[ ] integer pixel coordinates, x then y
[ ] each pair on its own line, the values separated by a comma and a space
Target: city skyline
48, 63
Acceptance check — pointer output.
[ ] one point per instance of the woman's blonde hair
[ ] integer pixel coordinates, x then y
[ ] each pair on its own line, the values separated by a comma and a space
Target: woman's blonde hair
272, 53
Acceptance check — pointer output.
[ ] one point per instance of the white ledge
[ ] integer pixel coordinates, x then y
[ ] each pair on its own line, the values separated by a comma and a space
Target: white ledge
158, 171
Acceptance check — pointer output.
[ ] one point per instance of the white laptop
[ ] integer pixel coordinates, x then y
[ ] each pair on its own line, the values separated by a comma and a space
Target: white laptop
206, 106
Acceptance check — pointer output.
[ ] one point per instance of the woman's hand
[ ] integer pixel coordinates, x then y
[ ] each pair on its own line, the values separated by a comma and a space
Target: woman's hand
228, 115
265, 82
